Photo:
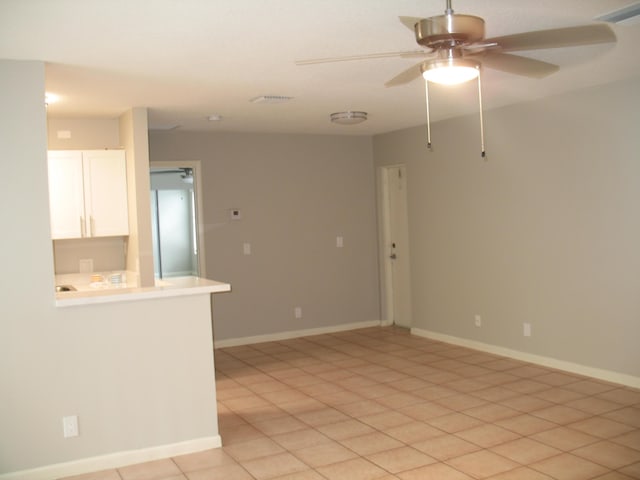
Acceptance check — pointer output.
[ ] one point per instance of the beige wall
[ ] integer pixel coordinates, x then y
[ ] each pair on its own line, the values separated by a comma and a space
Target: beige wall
546, 230
85, 133
296, 194
138, 374
134, 136
107, 253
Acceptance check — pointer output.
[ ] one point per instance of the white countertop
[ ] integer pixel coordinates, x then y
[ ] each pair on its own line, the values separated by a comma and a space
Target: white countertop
88, 293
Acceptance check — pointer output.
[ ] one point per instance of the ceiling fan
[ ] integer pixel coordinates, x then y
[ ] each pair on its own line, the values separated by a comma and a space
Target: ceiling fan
456, 40
455, 48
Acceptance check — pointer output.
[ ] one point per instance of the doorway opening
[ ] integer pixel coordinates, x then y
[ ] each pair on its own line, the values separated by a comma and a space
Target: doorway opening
175, 219
394, 246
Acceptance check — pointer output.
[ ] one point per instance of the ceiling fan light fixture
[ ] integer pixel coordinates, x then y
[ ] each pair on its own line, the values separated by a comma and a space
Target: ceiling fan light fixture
348, 118
450, 71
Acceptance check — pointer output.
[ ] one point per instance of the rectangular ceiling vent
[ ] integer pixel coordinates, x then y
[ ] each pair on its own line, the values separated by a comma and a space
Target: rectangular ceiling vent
624, 16
270, 99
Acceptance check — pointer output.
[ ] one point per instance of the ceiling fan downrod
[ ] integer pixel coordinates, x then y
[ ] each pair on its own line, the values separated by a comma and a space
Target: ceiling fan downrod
449, 10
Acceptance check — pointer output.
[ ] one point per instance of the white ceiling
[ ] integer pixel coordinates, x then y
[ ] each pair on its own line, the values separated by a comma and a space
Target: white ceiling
188, 59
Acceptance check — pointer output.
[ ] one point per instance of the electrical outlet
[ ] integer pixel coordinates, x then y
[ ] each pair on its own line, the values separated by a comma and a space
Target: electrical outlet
478, 320
70, 426
526, 329
85, 265
246, 249
339, 242
297, 312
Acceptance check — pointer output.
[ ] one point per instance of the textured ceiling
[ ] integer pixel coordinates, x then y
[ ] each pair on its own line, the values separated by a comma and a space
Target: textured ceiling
188, 59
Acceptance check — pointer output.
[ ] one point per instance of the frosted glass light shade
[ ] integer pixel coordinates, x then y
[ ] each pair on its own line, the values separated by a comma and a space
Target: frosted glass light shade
451, 71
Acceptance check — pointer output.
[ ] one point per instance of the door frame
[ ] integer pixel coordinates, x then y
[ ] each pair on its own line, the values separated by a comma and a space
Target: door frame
384, 243
196, 166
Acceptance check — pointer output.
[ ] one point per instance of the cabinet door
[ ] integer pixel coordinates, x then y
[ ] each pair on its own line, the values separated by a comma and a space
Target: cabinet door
105, 180
66, 195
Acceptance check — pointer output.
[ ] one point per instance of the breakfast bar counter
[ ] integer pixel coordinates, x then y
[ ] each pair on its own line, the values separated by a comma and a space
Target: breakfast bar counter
85, 292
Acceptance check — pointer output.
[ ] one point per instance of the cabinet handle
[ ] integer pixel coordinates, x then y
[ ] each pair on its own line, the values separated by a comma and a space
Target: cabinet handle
82, 227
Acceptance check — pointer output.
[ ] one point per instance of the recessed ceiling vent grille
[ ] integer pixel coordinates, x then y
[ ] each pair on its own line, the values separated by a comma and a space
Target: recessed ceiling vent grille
624, 16
271, 99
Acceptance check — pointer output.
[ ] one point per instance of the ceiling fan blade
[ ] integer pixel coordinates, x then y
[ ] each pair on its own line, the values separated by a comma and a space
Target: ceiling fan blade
409, 22
554, 38
407, 76
369, 56
517, 65
419, 54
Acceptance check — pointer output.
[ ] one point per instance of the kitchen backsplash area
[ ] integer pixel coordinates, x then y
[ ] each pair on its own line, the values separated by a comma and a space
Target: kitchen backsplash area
105, 253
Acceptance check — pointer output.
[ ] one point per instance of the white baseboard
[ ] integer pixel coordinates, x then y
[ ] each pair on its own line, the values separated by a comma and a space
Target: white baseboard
601, 374
114, 460
274, 337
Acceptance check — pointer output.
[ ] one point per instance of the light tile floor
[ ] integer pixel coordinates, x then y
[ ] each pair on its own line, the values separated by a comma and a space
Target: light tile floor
379, 403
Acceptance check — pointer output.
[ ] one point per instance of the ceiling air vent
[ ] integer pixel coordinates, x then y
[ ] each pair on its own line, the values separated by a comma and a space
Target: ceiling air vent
624, 16
270, 99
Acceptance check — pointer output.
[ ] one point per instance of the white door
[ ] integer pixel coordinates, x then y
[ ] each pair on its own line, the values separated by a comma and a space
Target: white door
396, 245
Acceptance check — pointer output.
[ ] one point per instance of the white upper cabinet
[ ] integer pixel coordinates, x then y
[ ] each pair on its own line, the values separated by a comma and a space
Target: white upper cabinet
88, 193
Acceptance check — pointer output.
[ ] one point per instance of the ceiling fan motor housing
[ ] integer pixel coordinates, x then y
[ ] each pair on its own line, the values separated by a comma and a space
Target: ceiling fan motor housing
450, 30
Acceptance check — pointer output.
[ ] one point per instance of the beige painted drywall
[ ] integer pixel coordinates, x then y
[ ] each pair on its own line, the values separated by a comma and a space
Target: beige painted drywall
545, 230
106, 253
84, 133
296, 194
138, 374
134, 137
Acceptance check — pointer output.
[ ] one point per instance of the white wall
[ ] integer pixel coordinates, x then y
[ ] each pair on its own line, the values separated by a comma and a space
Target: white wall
545, 230
296, 194
138, 374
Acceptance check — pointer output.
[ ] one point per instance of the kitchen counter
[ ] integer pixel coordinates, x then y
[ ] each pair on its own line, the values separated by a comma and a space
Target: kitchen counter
89, 293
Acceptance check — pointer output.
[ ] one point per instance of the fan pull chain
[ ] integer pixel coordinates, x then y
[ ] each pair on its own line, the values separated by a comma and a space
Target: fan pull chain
426, 92
483, 154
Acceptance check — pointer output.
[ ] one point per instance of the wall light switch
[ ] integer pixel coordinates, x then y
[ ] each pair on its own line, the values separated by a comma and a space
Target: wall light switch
526, 329
297, 312
478, 320
339, 242
246, 249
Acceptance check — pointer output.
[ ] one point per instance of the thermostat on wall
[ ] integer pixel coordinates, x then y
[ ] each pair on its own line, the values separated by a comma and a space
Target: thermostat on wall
235, 214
